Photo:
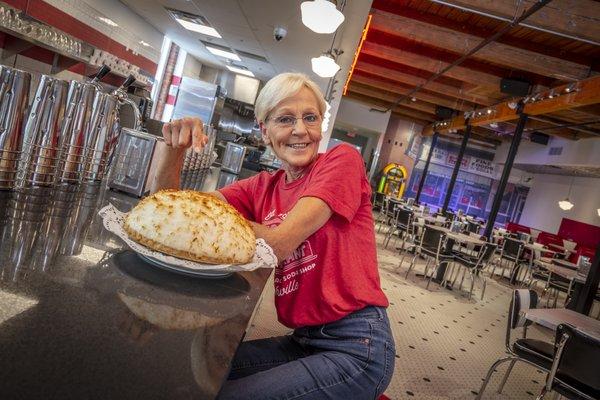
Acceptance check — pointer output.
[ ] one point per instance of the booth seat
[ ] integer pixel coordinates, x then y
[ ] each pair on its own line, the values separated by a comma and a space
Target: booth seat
514, 228
581, 251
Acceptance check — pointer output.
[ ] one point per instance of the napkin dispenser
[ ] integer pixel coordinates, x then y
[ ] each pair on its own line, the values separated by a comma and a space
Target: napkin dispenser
131, 162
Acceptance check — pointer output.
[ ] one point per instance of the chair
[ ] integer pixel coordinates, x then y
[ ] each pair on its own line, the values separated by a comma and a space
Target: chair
537, 272
402, 223
557, 284
378, 201
472, 226
432, 244
386, 214
574, 371
474, 265
531, 351
512, 251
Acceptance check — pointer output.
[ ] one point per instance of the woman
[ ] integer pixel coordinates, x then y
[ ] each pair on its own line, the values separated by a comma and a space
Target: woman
315, 213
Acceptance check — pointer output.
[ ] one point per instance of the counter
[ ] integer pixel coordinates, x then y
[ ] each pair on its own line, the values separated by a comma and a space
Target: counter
82, 317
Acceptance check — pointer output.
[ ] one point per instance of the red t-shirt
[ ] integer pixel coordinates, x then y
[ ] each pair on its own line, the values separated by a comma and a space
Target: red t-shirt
334, 271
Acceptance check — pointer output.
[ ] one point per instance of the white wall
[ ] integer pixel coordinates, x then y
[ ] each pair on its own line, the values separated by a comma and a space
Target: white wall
574, 152
354, 113
192, 67
541, 209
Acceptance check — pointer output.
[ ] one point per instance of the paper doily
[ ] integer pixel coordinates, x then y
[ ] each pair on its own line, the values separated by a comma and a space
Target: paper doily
113, 221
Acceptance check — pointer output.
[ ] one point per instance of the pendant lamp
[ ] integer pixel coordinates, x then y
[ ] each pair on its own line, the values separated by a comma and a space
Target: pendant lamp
321, 16
324, 66
566, 203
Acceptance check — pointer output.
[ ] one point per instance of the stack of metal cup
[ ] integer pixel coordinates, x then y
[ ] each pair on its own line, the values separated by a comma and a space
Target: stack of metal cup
53, 157
197, 165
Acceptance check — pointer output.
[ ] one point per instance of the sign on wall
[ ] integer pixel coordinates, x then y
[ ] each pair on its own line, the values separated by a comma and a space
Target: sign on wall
474, 165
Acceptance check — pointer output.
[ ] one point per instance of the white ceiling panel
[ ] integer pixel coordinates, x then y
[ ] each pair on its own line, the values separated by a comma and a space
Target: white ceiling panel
248, 25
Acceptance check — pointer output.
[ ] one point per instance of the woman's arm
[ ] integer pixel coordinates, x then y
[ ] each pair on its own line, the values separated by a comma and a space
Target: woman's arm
306, 217
179, 135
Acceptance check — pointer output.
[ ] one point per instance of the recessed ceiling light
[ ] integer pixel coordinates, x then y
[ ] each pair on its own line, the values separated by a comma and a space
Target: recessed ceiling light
238, 70
223, 53
108, 21
196, 27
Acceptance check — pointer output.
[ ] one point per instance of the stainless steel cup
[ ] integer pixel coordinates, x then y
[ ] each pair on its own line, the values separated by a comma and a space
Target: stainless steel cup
14, 98
41, 136
75, 129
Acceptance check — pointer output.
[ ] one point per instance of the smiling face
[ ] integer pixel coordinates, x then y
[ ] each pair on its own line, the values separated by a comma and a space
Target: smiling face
296, 146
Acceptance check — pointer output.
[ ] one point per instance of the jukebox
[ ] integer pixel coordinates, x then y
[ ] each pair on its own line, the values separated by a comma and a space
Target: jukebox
392, 182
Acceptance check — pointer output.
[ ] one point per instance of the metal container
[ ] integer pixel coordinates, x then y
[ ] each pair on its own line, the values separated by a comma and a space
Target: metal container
132, 161
233, 158
102, 139
14, 98
41, 136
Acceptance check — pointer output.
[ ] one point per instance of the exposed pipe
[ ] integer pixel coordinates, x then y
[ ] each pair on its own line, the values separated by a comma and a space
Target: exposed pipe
506, 19
533, 9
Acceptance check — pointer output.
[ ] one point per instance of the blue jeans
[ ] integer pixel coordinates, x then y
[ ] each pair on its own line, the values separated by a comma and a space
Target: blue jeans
352, 358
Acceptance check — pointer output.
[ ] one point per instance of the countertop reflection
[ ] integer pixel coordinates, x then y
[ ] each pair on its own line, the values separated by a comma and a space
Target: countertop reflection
81, 316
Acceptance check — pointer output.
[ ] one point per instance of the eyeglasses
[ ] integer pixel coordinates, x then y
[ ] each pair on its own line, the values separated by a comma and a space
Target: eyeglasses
289, 121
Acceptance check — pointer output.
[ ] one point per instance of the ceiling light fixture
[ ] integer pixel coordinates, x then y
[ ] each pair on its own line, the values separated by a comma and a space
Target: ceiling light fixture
321, 16
223, 53
566, 203
196, 27
324, 66
239, 70
108, 21
145, 44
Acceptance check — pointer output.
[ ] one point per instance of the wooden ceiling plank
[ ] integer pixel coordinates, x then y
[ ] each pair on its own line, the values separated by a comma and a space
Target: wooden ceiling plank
583, 93
400, 90
461, 43
412, 80
430, 64
385, 104
569, 17
391, 97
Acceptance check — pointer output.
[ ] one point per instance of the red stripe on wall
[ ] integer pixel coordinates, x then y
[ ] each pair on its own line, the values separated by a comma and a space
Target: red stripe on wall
171, 99
39, 54
63, 21
176, 80
20, 4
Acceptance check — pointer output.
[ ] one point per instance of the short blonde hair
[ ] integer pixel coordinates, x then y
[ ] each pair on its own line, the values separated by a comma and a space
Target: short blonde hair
282, 86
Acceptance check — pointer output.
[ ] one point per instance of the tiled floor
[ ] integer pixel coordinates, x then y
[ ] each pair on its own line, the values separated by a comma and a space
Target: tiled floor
444, 342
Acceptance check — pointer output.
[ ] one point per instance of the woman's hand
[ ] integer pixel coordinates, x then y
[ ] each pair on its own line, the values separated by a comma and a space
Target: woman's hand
181, 133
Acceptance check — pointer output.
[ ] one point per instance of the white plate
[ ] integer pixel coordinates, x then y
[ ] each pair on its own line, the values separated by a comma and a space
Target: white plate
205, 273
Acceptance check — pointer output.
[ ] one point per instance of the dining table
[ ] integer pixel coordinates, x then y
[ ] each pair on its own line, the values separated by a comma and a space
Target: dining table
566, 273
463, 238
561, 249
565, 263
552, 317
460, 238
